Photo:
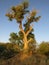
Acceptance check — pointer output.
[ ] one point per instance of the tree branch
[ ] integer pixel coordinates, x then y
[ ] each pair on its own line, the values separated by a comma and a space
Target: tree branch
29, 31
21, 29
29, 40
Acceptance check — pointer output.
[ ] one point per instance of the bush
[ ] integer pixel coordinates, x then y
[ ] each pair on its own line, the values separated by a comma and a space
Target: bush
8, 50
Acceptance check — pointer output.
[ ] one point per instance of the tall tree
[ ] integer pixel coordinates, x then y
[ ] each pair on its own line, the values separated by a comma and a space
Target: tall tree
25, 34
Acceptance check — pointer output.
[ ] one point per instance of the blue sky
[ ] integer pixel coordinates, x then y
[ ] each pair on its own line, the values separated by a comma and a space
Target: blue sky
41, 29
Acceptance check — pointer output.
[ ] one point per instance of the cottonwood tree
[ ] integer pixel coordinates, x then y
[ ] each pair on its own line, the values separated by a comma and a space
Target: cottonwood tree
18, 13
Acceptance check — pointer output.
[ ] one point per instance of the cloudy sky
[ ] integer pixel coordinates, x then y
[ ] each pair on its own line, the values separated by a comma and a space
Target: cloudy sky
41, 29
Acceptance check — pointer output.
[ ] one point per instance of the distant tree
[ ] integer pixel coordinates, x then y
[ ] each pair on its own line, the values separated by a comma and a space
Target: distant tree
44, 48
25, 34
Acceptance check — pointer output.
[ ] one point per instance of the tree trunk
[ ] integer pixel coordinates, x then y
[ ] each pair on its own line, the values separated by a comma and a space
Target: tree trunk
25, 41
25, 48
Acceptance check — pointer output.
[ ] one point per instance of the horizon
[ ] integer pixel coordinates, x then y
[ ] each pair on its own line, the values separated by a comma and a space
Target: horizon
41, 31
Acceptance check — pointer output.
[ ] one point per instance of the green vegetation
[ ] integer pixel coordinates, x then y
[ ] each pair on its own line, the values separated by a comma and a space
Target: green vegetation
10, 54
8, 50
22, 48
44, 48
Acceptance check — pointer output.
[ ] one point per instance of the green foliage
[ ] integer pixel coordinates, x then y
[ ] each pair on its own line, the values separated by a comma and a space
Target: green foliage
31, 35
32, 17
44, 48
8, 50
18, 12
16, 39
13, 37
20, 35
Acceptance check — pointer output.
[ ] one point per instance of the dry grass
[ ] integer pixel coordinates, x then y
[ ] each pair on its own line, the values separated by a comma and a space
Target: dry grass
25, 59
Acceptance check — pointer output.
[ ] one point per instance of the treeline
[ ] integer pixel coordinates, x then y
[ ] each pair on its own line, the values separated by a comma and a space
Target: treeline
8, 50
10, 54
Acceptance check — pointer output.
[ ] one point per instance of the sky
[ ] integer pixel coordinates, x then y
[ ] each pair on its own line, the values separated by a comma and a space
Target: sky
41, 29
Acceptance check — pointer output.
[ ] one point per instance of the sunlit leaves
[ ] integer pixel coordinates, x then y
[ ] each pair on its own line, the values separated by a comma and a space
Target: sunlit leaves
44, 48
25, 4
32, 16
33, 13
13, 9
10, 16
18, 12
